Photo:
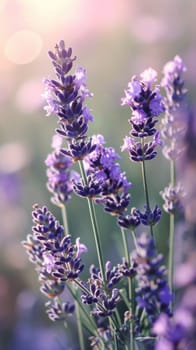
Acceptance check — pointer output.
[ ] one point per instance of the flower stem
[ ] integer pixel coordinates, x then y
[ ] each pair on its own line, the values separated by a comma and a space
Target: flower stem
64, 217
94, 225
78, 316
171, 236
125, 245
144, 177
130, 286
172, 172
79, 324
171, 253
134, 238
89, 322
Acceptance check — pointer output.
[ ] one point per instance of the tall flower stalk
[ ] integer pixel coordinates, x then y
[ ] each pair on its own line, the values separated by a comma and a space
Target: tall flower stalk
146, 104
173, 129
66, 98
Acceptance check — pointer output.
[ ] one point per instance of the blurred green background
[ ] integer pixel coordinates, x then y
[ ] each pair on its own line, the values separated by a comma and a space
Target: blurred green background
113, 40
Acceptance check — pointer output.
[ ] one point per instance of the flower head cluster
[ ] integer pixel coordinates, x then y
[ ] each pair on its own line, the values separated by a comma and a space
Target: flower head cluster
56, 258
179, 332
59, 173
173, 82
59, 310
153, 294
150, 217
146, 104
66, 97
173, 125
130, 221
104, 300
105, 336
106, 183
173, 198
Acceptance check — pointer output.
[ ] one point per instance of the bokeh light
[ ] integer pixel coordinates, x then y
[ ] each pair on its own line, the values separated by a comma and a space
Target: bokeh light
23, 46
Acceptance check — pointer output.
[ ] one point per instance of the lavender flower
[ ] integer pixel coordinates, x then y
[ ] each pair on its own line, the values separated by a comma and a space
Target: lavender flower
173, 82
150, 217
104, 301
105, 337
173, 198
66, 97
127, 270
171, 334
57, 259
59, 311
131, 220
106, 184
146, 104
153, 294
173, 126
60, 175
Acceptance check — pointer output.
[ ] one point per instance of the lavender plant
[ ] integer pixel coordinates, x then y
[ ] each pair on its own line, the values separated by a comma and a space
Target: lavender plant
119, 305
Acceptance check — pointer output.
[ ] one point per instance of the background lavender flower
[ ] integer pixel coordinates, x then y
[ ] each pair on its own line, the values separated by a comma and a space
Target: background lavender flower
59, 311
173, 125
173, 129
59, 173
153, 294
173, 198
179, 332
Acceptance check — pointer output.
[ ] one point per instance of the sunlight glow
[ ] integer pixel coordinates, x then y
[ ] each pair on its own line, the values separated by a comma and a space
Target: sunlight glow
23, 47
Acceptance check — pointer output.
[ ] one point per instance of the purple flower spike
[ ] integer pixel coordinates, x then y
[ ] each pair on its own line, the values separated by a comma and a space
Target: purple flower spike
141, 96
152, 217
174, 122
173, 198
146, 104
153, 294
66, 98
56, 258
131, 220
59, 173
106, 183
59, 311
172, 80
104, 300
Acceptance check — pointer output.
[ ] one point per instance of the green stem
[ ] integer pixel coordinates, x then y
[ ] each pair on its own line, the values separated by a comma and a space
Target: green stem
172, 172
118, 318
171, 236
89, 322
125, 245
114, 334
78, 316
79, 324
130, 285
171, 254
134, 238
64, 217
127, 257
94, 226
144, 177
